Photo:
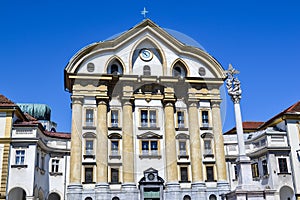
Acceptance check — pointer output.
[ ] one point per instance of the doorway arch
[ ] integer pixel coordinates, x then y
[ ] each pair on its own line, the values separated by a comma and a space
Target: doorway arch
286, 193
17, 194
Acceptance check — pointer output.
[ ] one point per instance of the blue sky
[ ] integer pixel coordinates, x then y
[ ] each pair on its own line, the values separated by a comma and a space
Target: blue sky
260, 38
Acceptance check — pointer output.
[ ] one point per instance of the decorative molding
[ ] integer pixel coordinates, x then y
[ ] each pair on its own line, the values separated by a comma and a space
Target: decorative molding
77, 99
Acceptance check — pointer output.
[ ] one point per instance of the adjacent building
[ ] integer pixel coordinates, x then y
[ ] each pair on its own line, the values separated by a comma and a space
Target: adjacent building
274, 149
146, 119
34, 160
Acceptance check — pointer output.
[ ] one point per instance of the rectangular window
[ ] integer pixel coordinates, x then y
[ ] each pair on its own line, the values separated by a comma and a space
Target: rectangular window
207, 147
114, 148
255, 170
210, 173
152, 118
182, 148
180, 119
148, 118
89, 147
20, 157
114, 118
37, 164
154, 147
184, 174
144, 118
265, 167
55, 165
88, 174
150, 147
235, 172
205, 121
114, 175
89, 117
282, 165
43, 162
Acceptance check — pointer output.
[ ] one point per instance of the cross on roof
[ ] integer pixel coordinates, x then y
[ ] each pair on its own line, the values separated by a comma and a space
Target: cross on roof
231, 71
144, 12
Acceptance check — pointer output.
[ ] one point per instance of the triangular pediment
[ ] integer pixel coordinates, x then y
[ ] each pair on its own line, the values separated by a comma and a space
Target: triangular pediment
149, 135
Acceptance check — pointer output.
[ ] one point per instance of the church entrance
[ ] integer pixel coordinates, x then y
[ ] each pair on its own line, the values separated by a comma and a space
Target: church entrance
151, 185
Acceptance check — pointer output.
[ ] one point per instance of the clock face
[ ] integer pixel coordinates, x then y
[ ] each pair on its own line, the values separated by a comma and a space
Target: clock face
146, 54
151, 177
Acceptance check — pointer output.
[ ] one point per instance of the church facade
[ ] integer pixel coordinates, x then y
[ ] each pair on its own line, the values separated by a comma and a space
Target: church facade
146, 120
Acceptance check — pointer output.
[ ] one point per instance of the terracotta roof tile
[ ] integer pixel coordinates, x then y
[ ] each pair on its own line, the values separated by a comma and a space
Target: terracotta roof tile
4, 101
252, 125
58, 134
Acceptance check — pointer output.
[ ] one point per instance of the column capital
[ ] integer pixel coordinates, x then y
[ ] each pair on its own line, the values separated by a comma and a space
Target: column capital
192, 102
102, 100
77, 99
169, 102
215, 103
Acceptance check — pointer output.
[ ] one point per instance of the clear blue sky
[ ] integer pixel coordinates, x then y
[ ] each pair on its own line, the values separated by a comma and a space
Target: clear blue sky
259, 38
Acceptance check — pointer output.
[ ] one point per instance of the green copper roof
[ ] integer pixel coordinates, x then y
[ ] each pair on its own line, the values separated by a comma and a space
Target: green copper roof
38, 111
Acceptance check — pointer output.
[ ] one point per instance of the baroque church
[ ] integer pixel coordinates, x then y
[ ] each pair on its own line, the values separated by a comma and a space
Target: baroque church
146, 121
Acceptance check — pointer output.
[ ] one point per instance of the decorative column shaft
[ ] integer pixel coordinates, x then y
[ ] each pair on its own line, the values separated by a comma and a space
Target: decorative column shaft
127, 138
243, 161
195, 145
76, 143
102, 142
170, 142
128, 148
218, 140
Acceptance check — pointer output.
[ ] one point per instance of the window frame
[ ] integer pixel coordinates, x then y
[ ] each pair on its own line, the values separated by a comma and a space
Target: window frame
148, 118
255, 170
285, 163
264, 164
184, 177
116, 123
88, 179
205, 119
20, 157
89, 117
179, 121
55, 165
114, 171
212, 170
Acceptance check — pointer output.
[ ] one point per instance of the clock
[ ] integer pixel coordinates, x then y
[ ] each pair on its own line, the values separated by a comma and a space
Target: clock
151, 177
146, 54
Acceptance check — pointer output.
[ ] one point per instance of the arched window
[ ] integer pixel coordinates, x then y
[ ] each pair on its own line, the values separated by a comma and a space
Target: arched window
88, 198
147, 70
115, 198
212, 197
115, 68
179, 71
186, 197
53, 196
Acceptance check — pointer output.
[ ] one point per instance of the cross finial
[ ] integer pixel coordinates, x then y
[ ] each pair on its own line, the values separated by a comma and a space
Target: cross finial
144, 12
231, 71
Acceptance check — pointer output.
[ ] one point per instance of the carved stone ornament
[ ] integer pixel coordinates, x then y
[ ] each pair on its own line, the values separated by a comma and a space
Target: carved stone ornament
233, 85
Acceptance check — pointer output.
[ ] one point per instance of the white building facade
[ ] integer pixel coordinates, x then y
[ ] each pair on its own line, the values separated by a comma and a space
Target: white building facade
273, 147
146, 119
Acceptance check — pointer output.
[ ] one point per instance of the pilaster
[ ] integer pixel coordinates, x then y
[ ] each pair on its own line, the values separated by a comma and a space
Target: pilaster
76, 143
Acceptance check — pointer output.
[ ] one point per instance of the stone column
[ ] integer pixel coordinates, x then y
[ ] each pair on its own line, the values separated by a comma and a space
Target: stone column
218, 141
195, 145
127, 138
76, 143
102, 142
170, 141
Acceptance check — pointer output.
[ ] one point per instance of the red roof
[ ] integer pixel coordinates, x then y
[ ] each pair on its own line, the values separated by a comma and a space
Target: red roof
58, 134
4, 101
252, 126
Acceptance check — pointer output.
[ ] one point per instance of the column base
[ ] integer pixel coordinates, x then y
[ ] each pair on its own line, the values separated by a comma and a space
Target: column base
74, 191
129, 186
172, 190
198, 186
102, 186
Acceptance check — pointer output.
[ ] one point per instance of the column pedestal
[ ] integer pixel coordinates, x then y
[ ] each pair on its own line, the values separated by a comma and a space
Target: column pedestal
172, 190
74, 192
102, 191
